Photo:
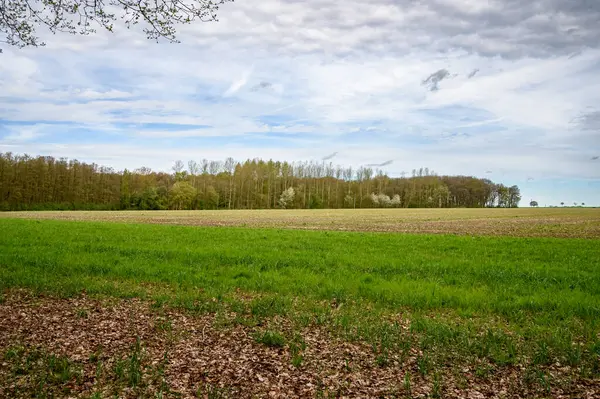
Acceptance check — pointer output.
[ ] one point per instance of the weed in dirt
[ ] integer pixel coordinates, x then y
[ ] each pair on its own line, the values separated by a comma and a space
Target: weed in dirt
483, 371
119, 369
424, 364
159, 377
210, 391
129, 370
45, 374
135, 367
407, 384
163, 325
297, 345
437, 386
270, 338
382, 359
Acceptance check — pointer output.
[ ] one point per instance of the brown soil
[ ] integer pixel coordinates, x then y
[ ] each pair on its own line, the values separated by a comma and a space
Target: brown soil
522, 222
200, 358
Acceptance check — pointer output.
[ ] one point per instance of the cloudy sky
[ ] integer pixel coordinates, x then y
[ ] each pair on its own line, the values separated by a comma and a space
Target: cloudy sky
503, 89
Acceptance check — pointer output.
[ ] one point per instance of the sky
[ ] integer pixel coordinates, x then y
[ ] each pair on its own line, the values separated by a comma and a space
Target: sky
502, 89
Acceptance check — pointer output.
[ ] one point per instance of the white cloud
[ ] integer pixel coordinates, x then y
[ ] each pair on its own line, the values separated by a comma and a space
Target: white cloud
236, 85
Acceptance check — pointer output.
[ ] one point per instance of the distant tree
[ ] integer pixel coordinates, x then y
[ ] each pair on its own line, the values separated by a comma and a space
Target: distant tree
441, 195
177, 166
574, 203
182, 195
211, 198
533, 204
384, 200
315, 202
286, 200
44, 183
583, 204
514, 196
150, 199
374, 198
562, 204
193, 168
349, 201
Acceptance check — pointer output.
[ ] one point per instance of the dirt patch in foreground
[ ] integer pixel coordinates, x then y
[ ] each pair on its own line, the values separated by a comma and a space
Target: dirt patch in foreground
86, 347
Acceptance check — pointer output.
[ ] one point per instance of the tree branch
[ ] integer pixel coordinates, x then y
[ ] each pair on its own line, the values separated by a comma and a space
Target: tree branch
19, 18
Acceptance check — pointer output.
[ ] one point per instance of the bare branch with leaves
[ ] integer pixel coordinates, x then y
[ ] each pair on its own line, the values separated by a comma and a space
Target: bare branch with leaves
19, 19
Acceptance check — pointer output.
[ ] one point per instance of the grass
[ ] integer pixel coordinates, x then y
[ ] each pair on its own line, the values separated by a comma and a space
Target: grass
270, 338
46, 372
515, 278
36, 373
500, 300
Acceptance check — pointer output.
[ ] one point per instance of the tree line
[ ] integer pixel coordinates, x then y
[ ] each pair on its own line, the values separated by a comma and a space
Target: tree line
47, 183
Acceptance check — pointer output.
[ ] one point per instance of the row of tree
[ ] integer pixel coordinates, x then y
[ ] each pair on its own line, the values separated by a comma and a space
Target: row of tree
28, 183
534, 204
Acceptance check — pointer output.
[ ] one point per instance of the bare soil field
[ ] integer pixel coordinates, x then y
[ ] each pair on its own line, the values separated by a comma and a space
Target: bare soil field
522, 222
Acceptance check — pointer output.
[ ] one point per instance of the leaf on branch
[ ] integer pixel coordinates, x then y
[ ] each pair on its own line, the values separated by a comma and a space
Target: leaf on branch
20, 18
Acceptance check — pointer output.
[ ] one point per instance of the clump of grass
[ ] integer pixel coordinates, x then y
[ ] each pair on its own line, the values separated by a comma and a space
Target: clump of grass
297, 346
211, 391
135, 364
270, 338
483, 370
424, 364
407, 384
437, 386
382, 359
163, 325
269, 306
129, 370
159, 377
47, 373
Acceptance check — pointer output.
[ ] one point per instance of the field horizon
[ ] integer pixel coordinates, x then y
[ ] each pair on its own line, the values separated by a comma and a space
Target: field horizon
526, 222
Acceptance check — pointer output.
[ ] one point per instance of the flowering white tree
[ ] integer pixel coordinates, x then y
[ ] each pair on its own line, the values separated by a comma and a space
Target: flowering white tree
374, 199
381, 200
287, 198
396, 201
384, 201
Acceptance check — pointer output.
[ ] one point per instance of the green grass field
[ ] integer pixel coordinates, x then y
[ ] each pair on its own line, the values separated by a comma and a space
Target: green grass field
497, 302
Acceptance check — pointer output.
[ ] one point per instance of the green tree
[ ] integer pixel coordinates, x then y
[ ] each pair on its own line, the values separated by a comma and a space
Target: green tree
514, 197
46, 183
211, 198
182, 195
150, 199
316, 202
